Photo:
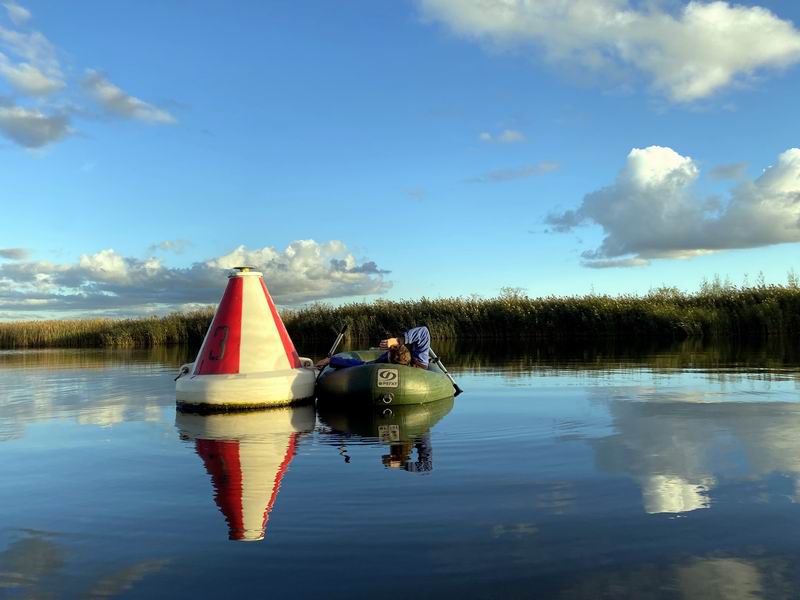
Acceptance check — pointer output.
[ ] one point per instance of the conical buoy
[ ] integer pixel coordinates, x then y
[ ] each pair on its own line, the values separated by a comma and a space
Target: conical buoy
247, 456
247, 359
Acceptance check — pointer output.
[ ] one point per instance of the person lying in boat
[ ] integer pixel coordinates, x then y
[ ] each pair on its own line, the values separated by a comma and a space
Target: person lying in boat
418, 340
412, 349
398, 354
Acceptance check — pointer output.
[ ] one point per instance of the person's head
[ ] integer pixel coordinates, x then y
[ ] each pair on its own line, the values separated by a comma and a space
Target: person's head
399, 355
399, 455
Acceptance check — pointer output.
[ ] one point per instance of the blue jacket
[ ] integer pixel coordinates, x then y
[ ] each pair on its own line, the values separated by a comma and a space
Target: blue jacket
418, 340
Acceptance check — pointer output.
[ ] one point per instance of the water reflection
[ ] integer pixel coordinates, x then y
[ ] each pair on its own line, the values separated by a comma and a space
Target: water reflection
247, 455
94, 387
91, 358
680, 446
405, 429
707, 577
36, 565
515, 358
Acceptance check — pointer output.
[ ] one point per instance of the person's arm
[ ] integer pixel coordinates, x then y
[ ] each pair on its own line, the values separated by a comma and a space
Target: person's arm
419, 336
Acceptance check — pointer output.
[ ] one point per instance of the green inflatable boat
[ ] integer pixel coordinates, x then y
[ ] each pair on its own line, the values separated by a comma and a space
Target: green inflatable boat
382, 384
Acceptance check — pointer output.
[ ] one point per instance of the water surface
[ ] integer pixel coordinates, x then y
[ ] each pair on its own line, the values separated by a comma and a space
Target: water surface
561, 473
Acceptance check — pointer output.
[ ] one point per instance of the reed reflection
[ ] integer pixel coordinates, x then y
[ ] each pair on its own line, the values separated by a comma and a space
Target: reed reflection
404, 429
247, 455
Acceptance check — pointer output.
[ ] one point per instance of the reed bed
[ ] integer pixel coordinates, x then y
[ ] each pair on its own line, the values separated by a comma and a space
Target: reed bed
749, 312
716, 311
173, 329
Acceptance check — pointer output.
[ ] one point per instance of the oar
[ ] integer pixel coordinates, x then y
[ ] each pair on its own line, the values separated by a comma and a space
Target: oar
336, 343
438, 361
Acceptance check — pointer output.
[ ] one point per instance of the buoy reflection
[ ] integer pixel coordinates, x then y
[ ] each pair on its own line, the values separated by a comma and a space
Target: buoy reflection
247, 455
405, 429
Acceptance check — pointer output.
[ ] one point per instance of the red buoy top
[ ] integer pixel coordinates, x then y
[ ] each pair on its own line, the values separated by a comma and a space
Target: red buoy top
247, 334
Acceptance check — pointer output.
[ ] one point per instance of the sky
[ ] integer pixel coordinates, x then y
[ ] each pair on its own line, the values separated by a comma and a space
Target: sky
415, 148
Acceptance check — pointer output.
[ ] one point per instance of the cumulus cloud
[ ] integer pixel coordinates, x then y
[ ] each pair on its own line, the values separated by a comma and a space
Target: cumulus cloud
19, 15
653, 210
507, 136
32, 128
518, 173
687, 54
109, 282
14, 253
118, 103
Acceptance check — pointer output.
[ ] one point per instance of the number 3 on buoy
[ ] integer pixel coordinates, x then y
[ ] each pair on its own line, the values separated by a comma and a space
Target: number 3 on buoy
212, 355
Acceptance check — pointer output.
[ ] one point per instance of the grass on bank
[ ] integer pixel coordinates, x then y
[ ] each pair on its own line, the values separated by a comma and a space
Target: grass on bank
717, 310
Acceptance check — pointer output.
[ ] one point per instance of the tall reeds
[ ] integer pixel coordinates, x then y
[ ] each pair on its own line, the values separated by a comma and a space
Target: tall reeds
177, 328
717, 310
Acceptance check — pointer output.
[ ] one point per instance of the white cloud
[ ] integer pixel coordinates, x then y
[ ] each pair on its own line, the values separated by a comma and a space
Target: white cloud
109, 282
687, 54
19, 15
523, 172
28, 80
30, 63
507, 136
34, 49
117, 102
30, 127
653, 210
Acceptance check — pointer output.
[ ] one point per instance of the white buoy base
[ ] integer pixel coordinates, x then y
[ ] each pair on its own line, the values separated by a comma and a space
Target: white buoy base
245, 390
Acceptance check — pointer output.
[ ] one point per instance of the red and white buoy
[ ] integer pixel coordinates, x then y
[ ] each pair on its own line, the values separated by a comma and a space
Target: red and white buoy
247, 359
247, 456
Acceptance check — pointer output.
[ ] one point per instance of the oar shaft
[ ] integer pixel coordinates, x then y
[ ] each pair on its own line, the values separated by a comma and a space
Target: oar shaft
439, 362
336, 343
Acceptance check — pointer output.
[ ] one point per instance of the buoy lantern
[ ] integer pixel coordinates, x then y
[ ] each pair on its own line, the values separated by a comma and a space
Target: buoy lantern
247, 359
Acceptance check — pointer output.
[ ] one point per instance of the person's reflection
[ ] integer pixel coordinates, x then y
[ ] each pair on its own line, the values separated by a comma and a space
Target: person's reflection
404, 428
400, 456
246, 455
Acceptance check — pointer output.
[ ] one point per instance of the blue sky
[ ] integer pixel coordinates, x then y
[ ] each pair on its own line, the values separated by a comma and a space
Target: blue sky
392, 149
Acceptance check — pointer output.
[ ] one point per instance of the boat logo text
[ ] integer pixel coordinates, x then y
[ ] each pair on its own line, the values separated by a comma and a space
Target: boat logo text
388, 378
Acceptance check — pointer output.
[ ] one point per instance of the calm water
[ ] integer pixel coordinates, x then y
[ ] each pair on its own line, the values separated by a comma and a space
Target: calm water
558, 474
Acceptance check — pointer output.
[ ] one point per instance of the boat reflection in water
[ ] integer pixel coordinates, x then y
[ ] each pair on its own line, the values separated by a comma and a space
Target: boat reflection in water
404, 428
247, 455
